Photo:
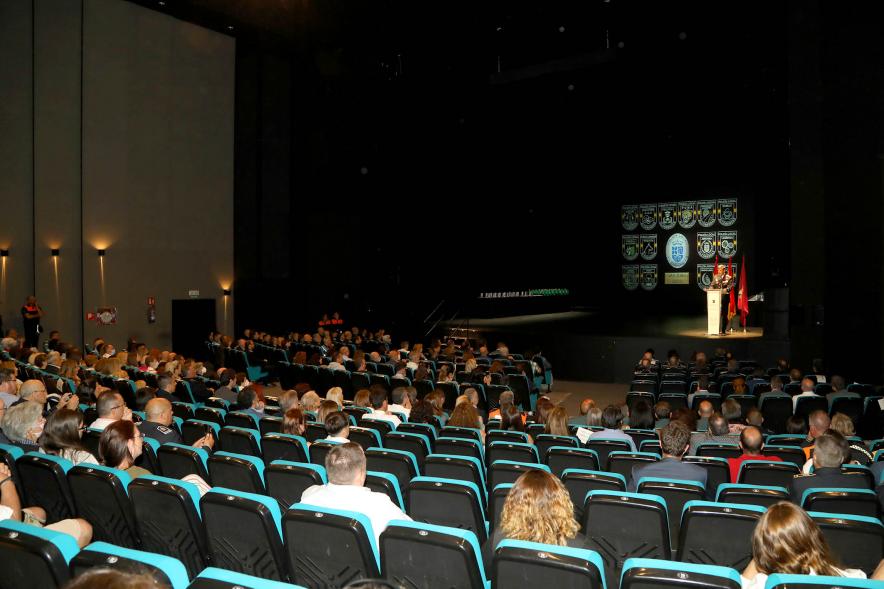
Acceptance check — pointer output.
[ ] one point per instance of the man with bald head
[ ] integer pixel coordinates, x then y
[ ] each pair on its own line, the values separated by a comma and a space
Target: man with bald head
752, 445
705, 410
818, 422
158, 425
585, 405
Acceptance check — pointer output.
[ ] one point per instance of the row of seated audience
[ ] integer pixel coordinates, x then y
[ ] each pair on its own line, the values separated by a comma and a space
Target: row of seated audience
537, 508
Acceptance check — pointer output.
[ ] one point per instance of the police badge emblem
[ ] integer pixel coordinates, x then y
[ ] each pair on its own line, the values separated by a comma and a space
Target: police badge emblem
648, 246
629, 217
687, 213
706, 213
648, 216
648, 277
677, 250
727, 243
704, 275
727, 211
667, 215
706, 244
630, 274
629, 247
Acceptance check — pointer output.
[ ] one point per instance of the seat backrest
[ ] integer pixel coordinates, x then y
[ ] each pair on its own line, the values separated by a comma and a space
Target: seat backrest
240, 440
102, 498
648, 573
178, 460
514, 451
751, 494
8, 455
381, 426
167, 571
401, 464
776, 410
460, 447
499, 435
213, 414
319, 450
447, 502
622, 525
329, 547
315, 431
508, 471
415, 554
384, 482
419, 428
676, 493
286, 481
623, 462
278, 446
718, 533
240, 472
241, 419
90, 440
270, 425
467, 433
717, 471
544, 442
719, 450
244, 533
856, 541
194, 429
528, 564
366, 437
44, 480
169, 522
417, 444
807, 405
579, 482
215, 578
605, 446
778, 581
848, 501
793, 454
767, 473
496, 499
462, 468
560, 458
34, 557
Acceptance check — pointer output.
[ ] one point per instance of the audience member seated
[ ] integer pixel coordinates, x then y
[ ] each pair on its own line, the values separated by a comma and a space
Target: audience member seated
23, 425
337, 427
326, 407
844, 426
733, 412
685, 416
346, 470
158, 425
511, 419
538, 508
108, 578
401, 401
143, 396
110, 408
120, 446
506, 396
807, 386
662, 413
294, 422
557, 423
752, 445
166, 387
335, 394
612, 422
542, 410
62, 437
422, 412
249, 402
839, 388
585, 405
755, 418
702, 388
594, 417
674, 442
465, 415
225, 389
787, 541
472, 396
819, 422
10, 508
380, 409
796, 425
830, 452
642, 415
718, 432
8, 387
362, 398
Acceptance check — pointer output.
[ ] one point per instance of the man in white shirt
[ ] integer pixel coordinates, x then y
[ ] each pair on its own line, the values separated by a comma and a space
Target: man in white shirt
345, 467
110, 407
807, 385
379, 407
337, 426
8, 387
401, 402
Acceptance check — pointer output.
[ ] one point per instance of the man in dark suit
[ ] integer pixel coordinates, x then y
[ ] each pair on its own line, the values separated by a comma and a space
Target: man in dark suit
830, 452
675, 439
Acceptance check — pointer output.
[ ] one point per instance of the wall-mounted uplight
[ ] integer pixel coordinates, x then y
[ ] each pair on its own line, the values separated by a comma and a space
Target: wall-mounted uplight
55, 252
101, 253
4, 253
226, 292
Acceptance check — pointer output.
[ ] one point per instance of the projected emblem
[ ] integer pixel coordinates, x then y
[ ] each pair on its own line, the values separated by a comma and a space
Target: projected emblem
727, 243
704, 275
648, 276
648, 216
668, 216
727, 211
706, 244
677, 250
629, 217
706, 213
630, 274
629, 247
648, 246
687, 213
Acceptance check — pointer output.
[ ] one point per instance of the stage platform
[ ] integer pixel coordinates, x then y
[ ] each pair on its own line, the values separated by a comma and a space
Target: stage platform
592, 346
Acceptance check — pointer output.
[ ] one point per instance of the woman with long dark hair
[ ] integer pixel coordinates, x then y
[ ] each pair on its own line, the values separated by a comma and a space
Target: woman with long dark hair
62, 437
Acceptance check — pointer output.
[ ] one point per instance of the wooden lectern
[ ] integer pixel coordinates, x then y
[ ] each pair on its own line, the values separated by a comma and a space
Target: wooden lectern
713, 311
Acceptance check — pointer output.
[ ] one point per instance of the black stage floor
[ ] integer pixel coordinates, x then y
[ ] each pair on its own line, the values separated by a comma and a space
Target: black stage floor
594, 346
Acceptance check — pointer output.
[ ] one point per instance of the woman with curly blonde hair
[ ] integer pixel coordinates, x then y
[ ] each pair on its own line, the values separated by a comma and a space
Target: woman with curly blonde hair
787, 541
537, 509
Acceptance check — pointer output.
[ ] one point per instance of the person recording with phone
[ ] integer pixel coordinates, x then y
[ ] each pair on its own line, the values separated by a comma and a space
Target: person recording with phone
158, 425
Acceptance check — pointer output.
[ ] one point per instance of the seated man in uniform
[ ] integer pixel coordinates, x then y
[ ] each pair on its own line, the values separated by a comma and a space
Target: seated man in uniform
158, 425
830, 452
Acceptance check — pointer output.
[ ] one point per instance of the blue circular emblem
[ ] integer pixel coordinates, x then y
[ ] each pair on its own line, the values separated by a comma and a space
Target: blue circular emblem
677, 250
